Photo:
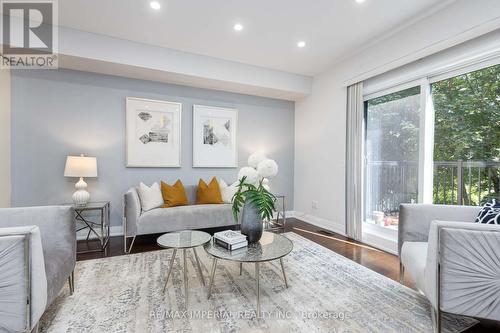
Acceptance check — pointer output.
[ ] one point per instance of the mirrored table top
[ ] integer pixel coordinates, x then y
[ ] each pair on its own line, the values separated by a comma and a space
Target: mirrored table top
270, 247
183, 239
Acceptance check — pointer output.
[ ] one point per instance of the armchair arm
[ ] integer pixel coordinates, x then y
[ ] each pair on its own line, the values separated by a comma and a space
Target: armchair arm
23, 283
57, 230
415, 219
131, 212
463, 268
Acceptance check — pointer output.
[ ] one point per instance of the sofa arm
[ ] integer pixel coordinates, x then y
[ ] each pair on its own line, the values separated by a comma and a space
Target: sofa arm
415, 219
23, 291
57, 230
464, 263
131, 212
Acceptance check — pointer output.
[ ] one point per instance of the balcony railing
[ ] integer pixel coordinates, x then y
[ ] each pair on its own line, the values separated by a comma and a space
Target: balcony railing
466, 182
389, 183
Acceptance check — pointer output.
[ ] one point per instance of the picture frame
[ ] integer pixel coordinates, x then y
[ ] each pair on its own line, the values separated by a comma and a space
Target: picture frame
153, 133
215, 137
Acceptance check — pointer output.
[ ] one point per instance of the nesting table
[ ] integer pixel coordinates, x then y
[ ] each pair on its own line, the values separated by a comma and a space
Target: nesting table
270, 247
184, 240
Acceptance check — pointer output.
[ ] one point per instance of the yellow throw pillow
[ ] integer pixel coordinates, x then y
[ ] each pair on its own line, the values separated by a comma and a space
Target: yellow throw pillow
174, 195
208, 194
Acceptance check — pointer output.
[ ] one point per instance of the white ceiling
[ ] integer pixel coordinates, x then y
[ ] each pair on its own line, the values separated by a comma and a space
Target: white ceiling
332, 29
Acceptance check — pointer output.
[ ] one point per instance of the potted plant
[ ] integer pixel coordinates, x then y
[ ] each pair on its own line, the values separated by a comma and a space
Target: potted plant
256, 204
253, 197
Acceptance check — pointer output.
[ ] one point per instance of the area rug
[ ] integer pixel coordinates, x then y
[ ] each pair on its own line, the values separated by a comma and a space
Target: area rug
327, 293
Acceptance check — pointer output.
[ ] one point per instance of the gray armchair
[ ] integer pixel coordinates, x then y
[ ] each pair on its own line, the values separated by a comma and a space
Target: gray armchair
37, 257
453, 261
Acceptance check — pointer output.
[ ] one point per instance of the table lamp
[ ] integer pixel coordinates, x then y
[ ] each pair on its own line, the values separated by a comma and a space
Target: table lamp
79, 167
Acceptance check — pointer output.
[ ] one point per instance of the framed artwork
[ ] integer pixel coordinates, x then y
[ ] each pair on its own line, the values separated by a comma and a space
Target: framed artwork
215, 137
153, 133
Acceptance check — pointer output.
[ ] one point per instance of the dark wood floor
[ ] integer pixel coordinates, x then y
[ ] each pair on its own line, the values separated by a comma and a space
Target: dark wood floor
382, 262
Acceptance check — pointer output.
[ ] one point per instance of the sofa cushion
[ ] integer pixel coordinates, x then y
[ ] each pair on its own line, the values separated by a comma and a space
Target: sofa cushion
227, 191
414, 259
173, 195
150, 196
208, 194
185, 217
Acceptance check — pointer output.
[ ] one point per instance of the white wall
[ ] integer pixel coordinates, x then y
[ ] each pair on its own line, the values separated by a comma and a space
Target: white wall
320, 124
4, 138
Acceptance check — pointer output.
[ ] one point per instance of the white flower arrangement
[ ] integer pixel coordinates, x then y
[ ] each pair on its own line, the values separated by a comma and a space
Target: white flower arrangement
255, 159
260, 169
267, 168
252, 176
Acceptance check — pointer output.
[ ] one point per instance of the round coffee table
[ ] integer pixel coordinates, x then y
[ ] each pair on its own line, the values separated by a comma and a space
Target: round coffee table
183, 240
270, 247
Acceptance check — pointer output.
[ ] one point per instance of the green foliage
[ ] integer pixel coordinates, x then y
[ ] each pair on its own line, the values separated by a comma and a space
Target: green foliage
467, 116
261, 198
467, 128
392, 126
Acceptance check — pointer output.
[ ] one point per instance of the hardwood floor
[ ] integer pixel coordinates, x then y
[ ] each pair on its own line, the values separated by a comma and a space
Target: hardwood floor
381, 262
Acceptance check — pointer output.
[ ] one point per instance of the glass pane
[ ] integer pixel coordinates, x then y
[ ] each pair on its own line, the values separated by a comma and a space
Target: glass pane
467, 138
391, 164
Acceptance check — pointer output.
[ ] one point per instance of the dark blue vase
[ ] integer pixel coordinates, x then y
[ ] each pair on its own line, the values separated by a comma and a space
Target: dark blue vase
251, 222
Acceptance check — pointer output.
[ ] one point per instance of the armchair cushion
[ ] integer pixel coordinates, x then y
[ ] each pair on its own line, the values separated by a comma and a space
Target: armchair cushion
415, 219
414, 257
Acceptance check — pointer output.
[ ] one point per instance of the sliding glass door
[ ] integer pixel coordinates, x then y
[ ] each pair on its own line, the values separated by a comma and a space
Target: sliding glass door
391, 155
467, 138
437, 141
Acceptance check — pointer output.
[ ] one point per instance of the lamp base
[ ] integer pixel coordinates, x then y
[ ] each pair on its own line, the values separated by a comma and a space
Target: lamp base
81, 197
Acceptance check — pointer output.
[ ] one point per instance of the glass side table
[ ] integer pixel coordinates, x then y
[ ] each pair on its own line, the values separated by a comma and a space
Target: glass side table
100, 228
270, 247
184, 240
279, 223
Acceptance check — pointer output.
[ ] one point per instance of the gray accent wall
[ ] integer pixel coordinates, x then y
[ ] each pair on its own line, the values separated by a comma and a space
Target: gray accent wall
56, 113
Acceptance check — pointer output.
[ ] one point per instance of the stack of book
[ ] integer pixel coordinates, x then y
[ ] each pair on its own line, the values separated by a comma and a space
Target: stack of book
230, 239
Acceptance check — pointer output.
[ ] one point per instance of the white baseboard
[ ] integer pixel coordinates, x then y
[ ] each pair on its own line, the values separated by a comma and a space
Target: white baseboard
117, 230
319, 222
370, 237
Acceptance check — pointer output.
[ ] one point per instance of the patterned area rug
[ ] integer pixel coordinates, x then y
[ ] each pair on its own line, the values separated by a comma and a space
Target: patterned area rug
327, 293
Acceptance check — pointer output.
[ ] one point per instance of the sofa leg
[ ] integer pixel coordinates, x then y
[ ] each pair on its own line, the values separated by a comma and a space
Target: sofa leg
36, 328
401, 273
436, 320
126, 249
71, 283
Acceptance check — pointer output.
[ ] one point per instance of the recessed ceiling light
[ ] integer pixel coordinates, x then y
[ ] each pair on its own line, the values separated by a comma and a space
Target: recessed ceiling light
155, 5
360, 1
238, 27
301, 44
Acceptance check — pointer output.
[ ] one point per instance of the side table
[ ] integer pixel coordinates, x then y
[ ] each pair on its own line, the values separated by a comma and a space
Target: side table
279, 223
103, 209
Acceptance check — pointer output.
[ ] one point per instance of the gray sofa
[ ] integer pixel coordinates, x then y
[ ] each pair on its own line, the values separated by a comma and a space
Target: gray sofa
160, 220
454, 262
37, 257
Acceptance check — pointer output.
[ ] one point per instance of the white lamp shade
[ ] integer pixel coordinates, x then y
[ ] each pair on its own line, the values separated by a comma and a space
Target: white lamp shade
80, 166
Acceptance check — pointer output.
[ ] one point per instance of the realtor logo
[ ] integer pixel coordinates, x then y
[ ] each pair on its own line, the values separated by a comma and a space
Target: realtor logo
29, 34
